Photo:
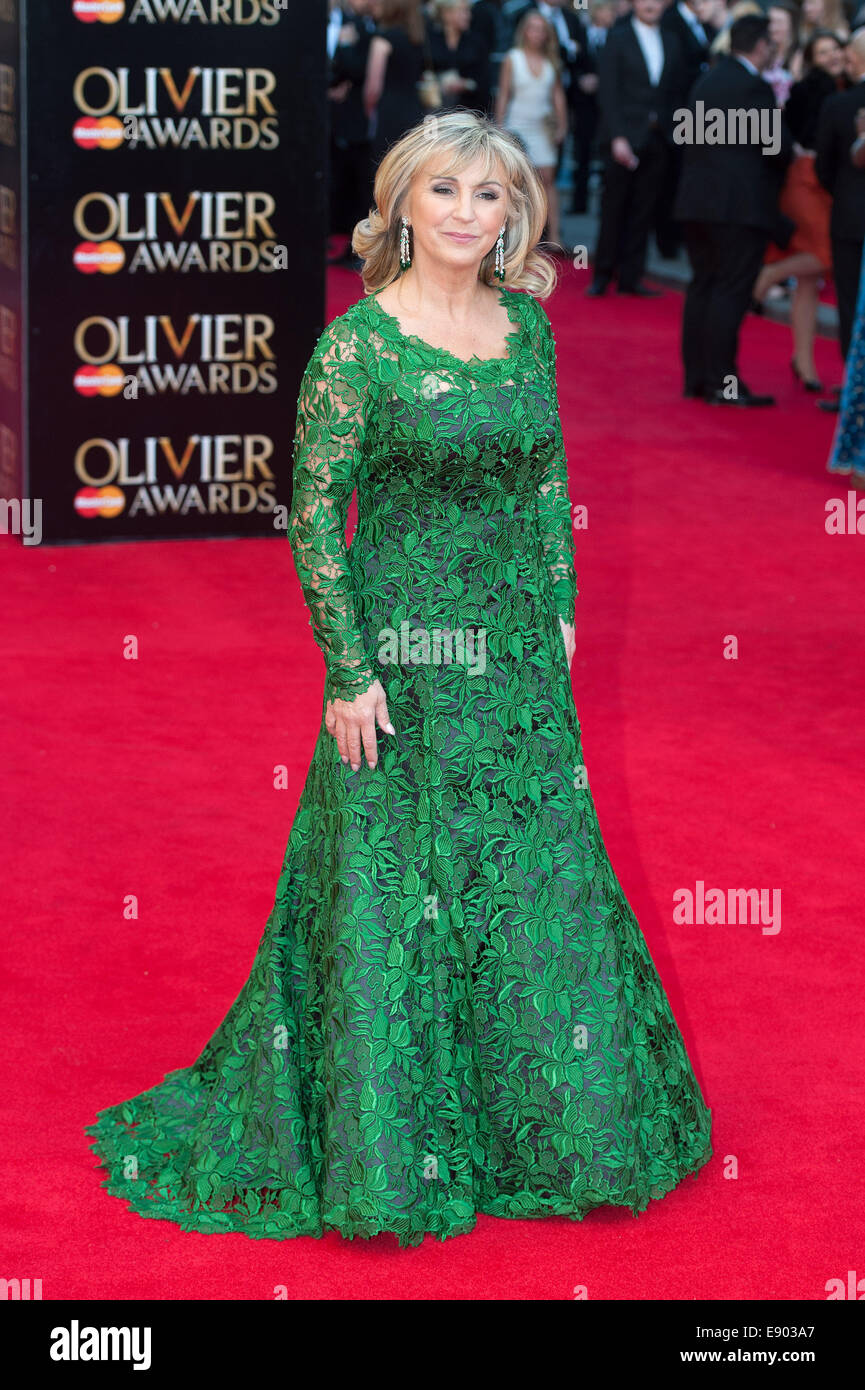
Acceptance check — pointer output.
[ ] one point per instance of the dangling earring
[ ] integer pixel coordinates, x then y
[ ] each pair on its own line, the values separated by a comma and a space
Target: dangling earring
500, 255
404, 252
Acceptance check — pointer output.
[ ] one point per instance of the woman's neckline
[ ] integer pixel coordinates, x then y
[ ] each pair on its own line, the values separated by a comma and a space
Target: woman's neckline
512, 340
543, 58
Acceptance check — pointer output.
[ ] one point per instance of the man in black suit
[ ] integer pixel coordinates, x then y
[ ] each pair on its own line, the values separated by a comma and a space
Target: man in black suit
640, 70
695, 39
728, 201
680, 18
836, 132
495, 29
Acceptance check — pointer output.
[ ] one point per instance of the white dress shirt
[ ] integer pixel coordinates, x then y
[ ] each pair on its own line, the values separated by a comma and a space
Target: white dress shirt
334, 24
650, 41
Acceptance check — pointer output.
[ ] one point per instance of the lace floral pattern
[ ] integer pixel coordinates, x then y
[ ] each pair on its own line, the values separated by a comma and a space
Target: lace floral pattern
452, 1009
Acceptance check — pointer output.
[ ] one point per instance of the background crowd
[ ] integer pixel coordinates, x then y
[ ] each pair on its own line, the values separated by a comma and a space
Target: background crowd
595, 92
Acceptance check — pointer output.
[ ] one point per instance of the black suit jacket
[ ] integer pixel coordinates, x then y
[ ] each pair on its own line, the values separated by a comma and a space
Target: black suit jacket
349, 123
630, 105
695, 56
836, 131
488, 22
733, 183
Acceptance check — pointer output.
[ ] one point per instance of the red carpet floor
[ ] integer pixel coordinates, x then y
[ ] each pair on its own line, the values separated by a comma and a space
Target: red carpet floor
155, 778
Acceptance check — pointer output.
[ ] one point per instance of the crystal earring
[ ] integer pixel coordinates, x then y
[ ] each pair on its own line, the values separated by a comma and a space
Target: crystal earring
500, 255
404, 251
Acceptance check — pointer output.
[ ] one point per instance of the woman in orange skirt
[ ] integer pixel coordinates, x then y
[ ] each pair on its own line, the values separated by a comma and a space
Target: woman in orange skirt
808, 255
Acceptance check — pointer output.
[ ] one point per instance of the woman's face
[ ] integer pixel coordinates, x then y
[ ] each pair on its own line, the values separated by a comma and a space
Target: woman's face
829, 56
813, 11
707, 11
780, 30
459, 16
535, 32
456, 218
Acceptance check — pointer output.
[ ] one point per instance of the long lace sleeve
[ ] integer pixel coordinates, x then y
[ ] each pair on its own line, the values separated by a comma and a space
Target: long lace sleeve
331, 424
553, 500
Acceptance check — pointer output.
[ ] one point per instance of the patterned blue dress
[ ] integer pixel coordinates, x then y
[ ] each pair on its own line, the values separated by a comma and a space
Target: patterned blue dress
848, 448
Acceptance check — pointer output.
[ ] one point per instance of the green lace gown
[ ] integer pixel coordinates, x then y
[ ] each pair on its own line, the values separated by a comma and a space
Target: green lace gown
452, 1009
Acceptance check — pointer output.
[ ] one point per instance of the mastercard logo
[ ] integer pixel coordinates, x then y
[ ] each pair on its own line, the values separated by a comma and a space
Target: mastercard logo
98, 11
107, 257
99, 381
98, 133
99, 501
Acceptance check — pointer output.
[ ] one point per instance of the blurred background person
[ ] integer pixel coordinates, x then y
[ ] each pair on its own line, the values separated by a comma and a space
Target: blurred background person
808, 255
602, 16
694, 38
397, 59
786, 66
349, 33
580, 83
713, 14
641, 71
822, 14
492, 21
458, 56
721, 42
531, 104
845, 181
728, 200
848, 448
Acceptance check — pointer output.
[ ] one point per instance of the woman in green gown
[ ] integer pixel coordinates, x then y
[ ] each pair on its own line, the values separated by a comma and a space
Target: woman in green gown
452, 1009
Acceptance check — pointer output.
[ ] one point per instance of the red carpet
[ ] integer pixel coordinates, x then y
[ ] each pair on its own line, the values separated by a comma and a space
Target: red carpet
155, 778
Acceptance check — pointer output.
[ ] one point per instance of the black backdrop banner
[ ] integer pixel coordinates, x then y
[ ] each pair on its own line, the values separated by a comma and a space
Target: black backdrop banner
174, 232
11, 424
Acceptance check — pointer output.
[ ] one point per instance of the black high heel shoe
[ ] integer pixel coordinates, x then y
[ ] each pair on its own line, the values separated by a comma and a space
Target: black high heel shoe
813, 385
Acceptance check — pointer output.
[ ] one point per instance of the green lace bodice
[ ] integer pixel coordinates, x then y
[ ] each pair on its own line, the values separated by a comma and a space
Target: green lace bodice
429, 440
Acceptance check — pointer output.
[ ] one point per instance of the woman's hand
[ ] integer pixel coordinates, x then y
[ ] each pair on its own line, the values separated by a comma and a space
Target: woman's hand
352, 722
569, 635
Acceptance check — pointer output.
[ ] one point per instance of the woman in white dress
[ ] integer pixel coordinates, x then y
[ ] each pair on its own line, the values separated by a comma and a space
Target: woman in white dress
531, 103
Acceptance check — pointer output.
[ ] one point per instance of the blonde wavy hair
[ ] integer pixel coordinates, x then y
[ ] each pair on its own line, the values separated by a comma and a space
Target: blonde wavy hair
454, 140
